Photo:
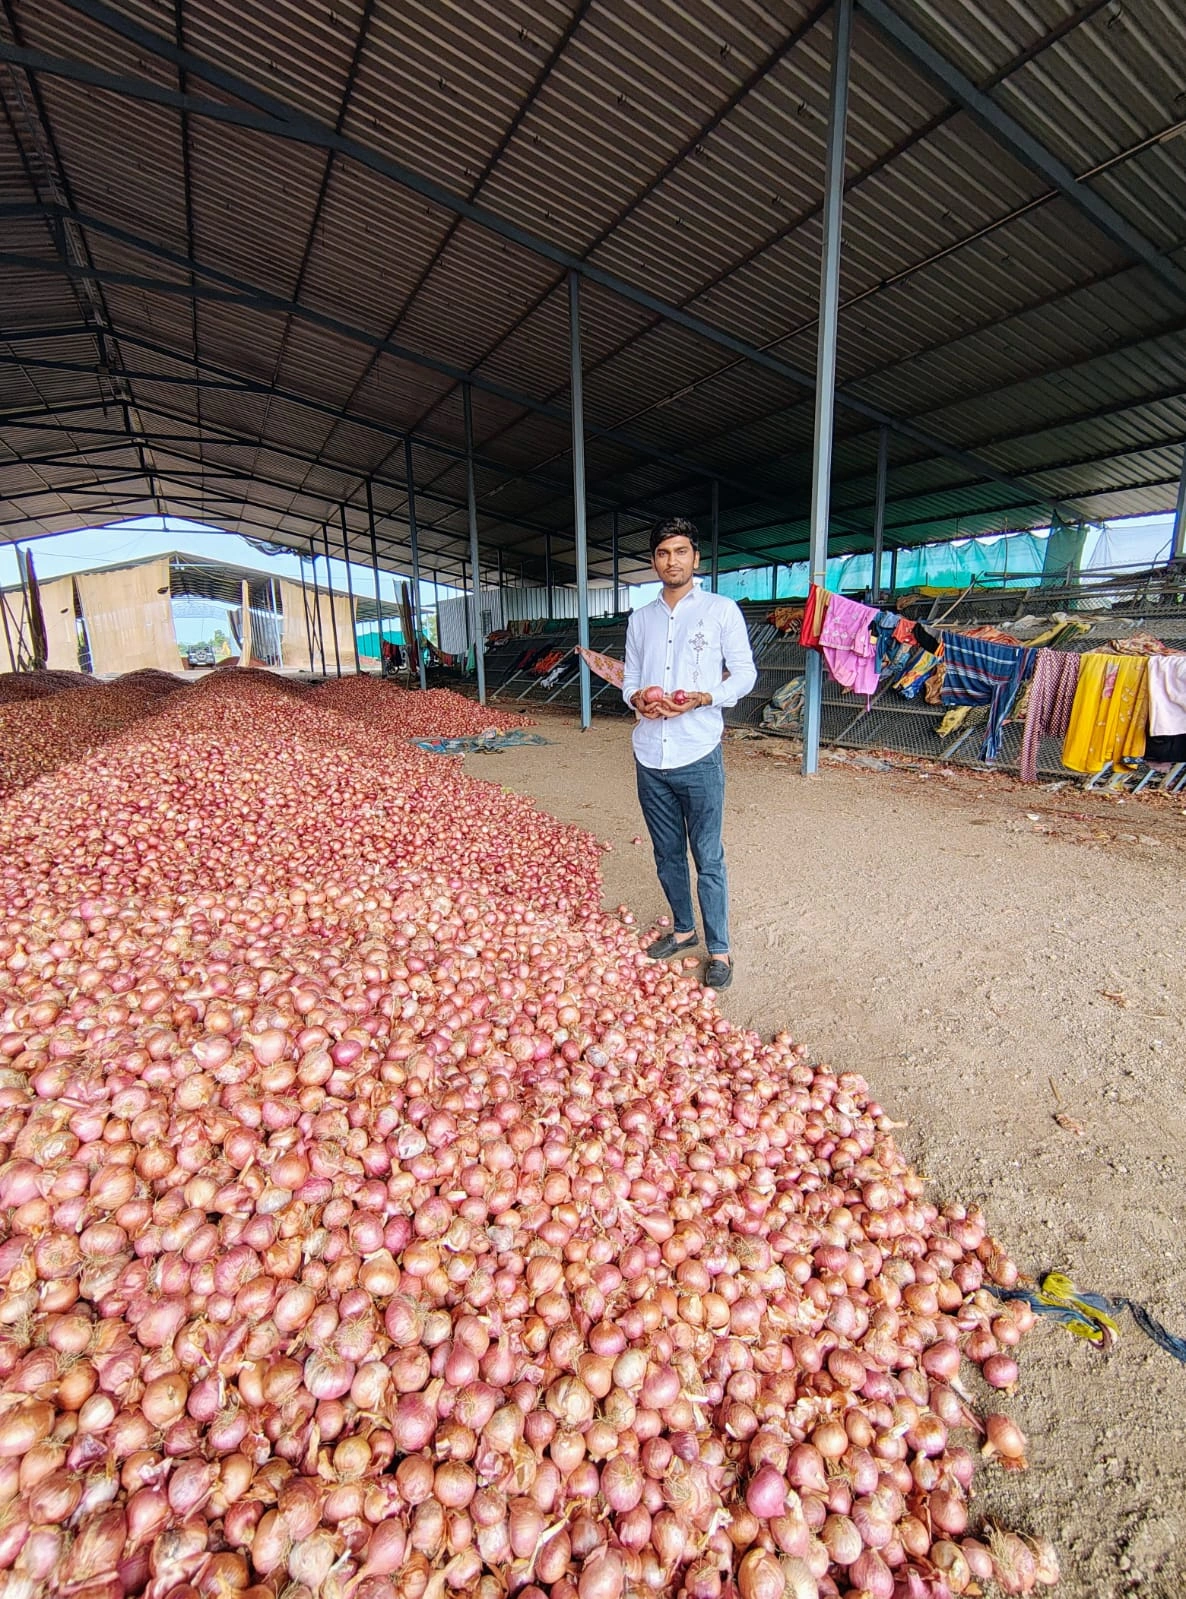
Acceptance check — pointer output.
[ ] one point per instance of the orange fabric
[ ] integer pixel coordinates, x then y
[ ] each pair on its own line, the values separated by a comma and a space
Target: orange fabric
814, 614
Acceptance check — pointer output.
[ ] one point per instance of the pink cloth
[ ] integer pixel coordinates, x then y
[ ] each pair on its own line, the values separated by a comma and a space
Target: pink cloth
1167, 695
849, 647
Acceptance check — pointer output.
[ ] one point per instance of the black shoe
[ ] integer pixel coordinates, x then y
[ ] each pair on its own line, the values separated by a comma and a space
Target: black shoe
719, 974
663, 948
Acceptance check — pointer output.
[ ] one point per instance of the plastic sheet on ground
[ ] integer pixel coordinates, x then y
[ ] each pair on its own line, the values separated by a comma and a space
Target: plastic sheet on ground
485, 743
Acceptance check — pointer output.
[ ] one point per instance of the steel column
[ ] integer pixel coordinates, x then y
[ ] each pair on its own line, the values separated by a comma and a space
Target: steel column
305, 606
548, 572
825, 364
576, 386
893, 571
414, 535
317, 607
1178, 547
7, 632
879, 512
715, 556
329, 590
375, 568
614, 548
350, 592
474, 556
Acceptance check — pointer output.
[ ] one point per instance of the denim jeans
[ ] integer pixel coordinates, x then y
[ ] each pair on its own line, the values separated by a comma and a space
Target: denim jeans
686, 806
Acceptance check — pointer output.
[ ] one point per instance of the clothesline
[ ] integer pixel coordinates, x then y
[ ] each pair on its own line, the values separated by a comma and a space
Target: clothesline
1106, 706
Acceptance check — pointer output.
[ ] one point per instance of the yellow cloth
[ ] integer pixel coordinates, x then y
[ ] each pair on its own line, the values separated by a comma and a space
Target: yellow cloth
1110, 716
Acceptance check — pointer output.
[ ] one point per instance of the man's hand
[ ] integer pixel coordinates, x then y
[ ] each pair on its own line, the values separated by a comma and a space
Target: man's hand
692, 701
651, 709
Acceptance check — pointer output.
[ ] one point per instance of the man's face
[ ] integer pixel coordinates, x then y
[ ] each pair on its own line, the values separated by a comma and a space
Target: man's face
675, 561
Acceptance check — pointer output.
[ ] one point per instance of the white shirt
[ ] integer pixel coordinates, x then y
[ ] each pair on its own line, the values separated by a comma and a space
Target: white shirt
690, 648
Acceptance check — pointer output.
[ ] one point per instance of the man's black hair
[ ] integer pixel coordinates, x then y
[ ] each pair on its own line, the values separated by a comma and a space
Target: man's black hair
675, 527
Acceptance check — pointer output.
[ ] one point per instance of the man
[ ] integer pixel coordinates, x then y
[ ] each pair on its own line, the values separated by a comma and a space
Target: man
687, 657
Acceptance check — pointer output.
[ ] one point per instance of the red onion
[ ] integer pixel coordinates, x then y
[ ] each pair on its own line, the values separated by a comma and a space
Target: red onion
370, 1203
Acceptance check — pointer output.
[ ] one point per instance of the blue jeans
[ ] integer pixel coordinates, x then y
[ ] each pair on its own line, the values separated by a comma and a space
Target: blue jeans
686, 806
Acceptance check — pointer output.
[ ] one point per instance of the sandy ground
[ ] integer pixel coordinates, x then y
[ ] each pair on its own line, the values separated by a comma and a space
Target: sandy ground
977, 948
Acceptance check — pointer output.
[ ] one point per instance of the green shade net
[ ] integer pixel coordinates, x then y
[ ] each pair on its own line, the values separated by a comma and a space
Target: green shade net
368, 639
1064, 552
1012, 561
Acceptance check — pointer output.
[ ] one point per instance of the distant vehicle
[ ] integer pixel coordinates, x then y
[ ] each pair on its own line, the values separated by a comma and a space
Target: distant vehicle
200, 655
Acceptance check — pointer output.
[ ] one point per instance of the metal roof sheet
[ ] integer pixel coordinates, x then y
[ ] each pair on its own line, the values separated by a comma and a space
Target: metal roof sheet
277, 311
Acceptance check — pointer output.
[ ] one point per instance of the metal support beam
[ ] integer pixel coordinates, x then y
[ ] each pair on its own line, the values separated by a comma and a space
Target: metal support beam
329, 590
825, 364
349, 589
375, 570
1178, 547
614, 549
317, 609
474, 556
417, 619
548, 573
576, 384
715, 556
7, 629
1009, 132
894, 571
879, 513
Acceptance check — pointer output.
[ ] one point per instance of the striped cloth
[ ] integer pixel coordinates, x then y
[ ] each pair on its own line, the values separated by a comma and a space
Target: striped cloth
1052, 693
979, 672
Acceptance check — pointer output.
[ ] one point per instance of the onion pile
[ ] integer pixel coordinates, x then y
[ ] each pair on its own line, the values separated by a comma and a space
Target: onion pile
377, 1220
408, 713
16, 687
38, 735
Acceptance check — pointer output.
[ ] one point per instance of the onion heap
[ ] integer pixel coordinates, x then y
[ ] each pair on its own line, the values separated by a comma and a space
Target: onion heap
19, 686
378, 1221
404, 713
41, 733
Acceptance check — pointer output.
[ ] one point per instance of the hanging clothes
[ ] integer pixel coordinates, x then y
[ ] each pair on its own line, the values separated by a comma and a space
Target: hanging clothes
787, 618
814, 613
884, 629
933, 692
979, 672
1048, 715
1165, 749
912, 680
904, 630
848, 644
1166, 744
1110, 715
613, 671
1167, 695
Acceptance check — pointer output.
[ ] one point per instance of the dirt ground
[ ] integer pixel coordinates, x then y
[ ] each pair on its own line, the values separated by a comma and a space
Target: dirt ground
989, 955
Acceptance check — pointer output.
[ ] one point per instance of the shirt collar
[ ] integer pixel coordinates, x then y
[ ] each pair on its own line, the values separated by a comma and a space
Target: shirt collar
662, 604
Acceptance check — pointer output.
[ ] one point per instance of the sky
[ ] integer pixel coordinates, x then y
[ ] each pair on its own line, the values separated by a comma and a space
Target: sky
63, 553
194, 620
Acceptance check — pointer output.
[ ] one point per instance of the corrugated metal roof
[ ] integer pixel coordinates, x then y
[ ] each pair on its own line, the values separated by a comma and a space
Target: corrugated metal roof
275, 314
